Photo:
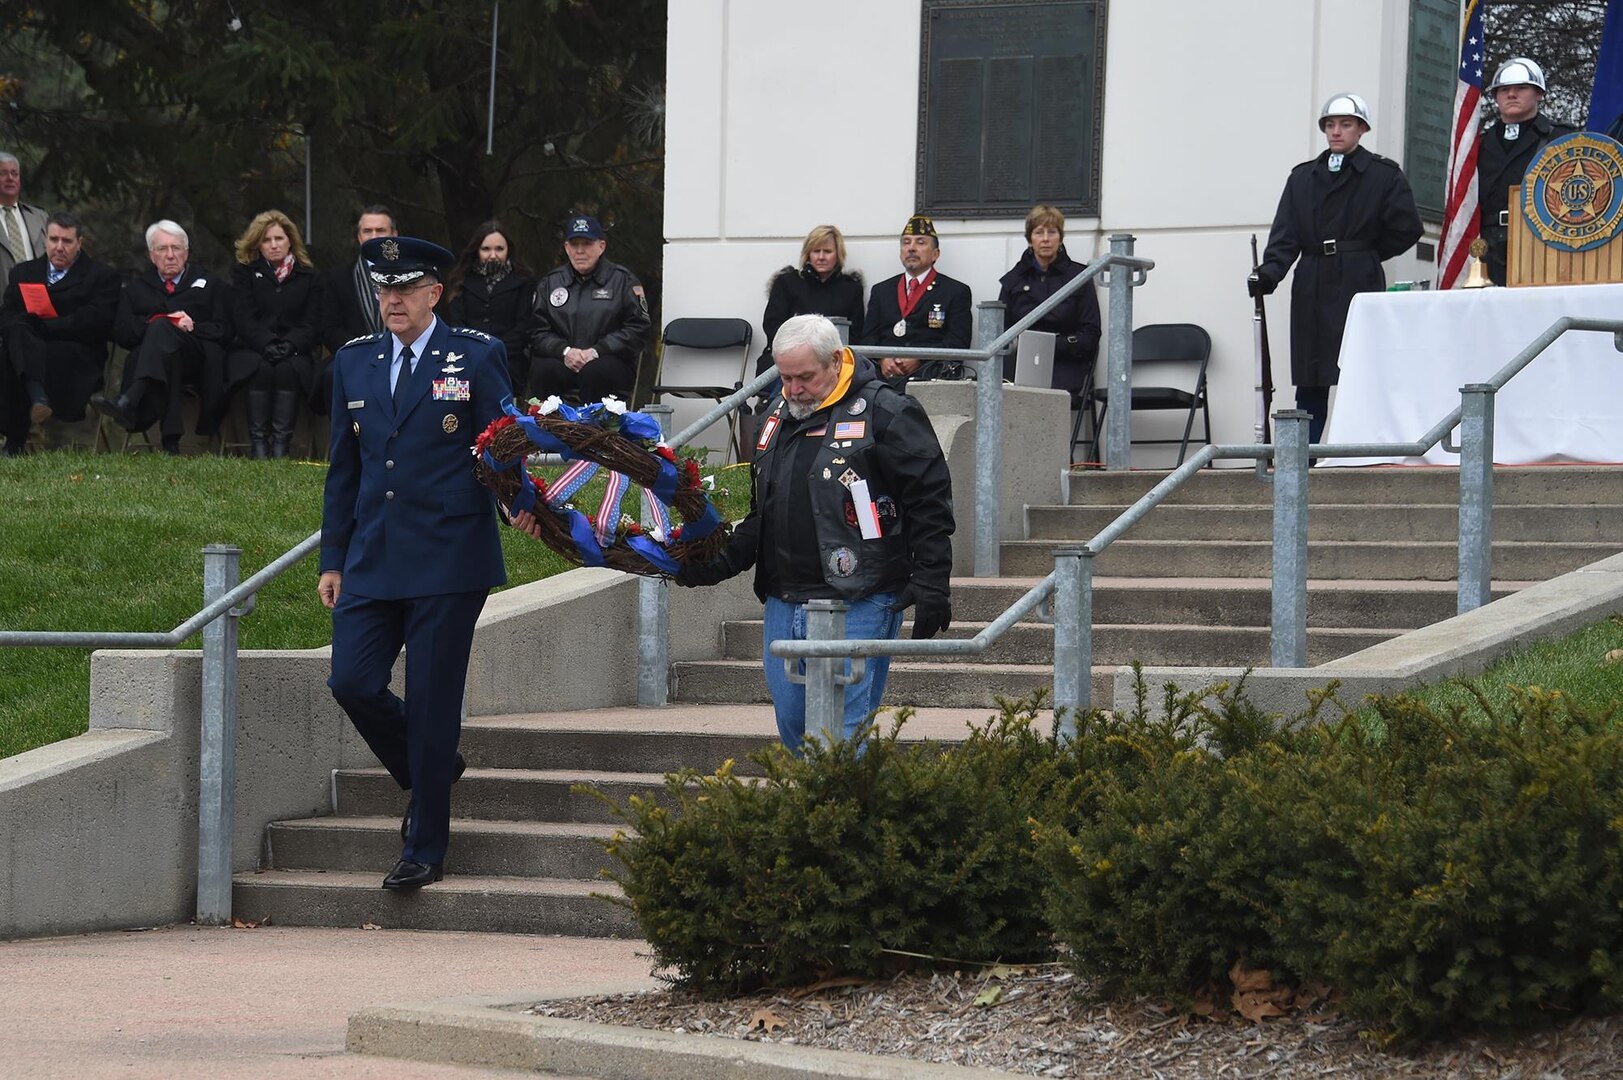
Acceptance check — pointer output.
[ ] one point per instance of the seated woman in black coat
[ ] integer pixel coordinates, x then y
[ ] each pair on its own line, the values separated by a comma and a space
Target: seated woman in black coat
278, 305
489, 289
1040, 273
818, 287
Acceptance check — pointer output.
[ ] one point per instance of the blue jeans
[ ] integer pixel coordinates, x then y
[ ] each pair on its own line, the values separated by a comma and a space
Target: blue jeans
869, 617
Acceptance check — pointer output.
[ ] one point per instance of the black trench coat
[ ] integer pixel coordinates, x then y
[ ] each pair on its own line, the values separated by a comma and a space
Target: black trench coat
1369, 211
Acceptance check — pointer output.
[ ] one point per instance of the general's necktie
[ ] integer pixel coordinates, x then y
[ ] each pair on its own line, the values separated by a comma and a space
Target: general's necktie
14, 233
402, 378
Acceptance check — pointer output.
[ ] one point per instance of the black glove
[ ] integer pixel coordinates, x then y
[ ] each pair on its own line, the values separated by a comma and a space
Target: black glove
695, 574
932, 611
1257, 285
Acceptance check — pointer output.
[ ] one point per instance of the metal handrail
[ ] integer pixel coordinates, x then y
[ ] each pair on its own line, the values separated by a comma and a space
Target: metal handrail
225, 601
1291, 454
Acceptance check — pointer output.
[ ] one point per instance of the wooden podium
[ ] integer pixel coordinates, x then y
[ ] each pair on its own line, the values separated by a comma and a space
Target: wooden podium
1530, 261
1566, 216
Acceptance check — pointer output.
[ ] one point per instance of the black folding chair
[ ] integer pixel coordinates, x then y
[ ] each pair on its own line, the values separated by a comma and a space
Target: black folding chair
685, 371
1158, 348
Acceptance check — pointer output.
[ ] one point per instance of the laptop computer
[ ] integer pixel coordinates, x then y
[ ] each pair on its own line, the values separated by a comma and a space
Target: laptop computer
1034, 359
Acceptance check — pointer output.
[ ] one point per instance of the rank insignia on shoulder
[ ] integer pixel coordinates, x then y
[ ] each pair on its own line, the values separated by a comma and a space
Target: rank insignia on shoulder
358, 340
468, 331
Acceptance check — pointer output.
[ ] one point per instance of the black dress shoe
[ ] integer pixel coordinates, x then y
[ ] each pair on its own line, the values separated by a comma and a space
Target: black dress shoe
119, 408
412, 875
457, 770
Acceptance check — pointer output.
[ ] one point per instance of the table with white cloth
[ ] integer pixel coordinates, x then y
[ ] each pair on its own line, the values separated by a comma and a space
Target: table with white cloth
1405, 356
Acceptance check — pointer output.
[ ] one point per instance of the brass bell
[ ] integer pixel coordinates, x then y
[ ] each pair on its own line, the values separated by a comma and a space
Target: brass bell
1476, 271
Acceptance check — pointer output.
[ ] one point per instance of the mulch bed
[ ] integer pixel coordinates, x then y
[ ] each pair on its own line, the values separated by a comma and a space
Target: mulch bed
1032, 1021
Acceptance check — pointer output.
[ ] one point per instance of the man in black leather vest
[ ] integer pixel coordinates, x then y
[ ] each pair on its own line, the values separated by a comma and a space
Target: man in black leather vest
852, 501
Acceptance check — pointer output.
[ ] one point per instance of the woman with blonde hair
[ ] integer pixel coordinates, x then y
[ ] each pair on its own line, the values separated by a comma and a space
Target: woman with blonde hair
818, 286
278, 304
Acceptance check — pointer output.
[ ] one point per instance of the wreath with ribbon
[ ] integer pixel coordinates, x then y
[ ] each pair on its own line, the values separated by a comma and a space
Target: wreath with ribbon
602, 436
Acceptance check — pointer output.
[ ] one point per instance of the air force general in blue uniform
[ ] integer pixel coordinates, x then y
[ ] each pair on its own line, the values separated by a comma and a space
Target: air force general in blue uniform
409, 544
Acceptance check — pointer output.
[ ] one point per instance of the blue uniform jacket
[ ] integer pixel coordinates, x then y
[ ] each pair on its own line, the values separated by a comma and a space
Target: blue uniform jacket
403, 515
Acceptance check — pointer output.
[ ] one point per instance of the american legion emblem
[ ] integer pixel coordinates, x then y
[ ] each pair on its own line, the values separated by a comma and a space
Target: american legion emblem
1572, 195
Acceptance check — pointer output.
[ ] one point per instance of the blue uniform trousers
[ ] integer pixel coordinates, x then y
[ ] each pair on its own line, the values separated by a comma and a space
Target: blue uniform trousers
415, 738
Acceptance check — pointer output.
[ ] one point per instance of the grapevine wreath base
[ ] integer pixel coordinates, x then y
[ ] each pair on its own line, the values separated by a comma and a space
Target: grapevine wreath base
627, 446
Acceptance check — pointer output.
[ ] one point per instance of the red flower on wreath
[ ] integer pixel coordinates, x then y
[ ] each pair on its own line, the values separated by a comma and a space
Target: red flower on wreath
482, 443
691, 468
667, 453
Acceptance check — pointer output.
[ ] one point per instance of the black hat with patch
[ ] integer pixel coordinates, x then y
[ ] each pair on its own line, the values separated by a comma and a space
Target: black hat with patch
400, 260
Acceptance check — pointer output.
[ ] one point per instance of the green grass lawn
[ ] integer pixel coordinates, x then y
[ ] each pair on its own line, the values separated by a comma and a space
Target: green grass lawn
1576, 665
114, 542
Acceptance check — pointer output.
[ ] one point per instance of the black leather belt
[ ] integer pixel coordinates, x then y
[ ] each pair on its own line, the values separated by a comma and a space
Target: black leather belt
1330, 248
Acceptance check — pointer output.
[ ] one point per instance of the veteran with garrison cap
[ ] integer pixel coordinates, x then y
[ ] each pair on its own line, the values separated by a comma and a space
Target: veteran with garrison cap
1342, 214
920, 306
591, 322
409, 547
1508, 145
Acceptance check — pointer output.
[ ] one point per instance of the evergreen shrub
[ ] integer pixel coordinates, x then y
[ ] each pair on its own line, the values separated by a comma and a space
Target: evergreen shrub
841, 861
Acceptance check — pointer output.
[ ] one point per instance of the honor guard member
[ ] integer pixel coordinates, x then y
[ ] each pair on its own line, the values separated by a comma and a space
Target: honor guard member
920, 306
1508, 146
851, 500
409, 548
591, 322
1343, 213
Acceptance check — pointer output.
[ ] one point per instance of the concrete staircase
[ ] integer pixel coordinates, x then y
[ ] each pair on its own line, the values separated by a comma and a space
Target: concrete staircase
1188, 586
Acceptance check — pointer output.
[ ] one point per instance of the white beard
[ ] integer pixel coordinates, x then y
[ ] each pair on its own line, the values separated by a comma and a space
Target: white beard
799, 412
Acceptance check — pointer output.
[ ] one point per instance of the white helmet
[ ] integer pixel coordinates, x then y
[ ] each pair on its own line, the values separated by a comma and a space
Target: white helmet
1345, 105
1518, 71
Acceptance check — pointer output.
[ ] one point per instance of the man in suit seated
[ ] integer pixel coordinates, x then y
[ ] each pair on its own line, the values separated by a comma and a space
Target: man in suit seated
22, 227
174, 320
919, 306
55, 318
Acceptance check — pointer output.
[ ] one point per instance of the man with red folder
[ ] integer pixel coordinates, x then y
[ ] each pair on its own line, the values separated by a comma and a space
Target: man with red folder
55, 318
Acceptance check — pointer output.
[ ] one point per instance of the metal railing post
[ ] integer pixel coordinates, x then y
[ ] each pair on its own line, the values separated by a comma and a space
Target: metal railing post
825, 676
654, 613
1073, 633
988, 443
217, 757
1287, 645
1119, 361
1476, 496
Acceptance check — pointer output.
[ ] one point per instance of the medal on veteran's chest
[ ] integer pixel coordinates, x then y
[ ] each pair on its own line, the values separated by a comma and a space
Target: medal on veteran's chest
900, 329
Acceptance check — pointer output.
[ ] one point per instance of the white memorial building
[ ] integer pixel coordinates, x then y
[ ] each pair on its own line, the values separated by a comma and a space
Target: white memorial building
784, 115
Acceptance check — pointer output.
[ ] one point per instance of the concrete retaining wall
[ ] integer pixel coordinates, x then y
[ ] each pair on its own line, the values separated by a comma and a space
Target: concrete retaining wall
100, 831
1461, 646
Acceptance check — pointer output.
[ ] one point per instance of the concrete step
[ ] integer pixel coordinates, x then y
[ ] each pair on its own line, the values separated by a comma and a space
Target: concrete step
927, 685
1230, 601
1540, 484
1155, 645
489, 904
501, 794
1388, 521
654, 741
1337, 559
530, 849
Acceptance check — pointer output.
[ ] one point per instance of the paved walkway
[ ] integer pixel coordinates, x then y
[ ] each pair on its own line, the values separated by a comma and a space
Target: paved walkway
185, 1003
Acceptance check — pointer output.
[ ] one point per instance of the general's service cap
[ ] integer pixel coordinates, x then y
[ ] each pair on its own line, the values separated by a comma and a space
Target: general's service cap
400, 260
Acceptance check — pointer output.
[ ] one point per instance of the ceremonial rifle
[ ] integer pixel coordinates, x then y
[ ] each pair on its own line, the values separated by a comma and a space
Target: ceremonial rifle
1264, 368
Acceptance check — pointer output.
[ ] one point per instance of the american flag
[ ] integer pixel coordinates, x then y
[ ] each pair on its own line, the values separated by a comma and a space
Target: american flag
1460, 225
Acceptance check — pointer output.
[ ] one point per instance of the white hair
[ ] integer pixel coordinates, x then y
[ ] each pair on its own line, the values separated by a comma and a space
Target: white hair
170, 227
808, 330
9, 159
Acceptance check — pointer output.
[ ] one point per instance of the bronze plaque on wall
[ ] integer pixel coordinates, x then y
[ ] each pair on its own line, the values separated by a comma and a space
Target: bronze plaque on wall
1434, 37
1011, 106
